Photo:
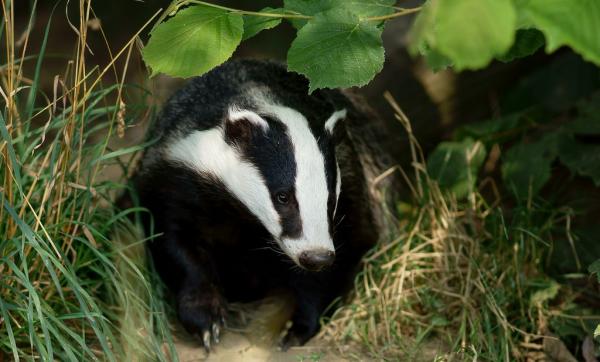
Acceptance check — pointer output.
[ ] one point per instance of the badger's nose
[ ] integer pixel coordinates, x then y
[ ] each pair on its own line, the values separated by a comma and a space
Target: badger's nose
316, 260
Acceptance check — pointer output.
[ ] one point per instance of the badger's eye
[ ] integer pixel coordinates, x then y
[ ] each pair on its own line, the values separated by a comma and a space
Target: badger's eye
283, 198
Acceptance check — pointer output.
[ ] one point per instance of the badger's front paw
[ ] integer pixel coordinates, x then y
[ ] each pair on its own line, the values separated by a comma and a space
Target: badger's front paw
202, 314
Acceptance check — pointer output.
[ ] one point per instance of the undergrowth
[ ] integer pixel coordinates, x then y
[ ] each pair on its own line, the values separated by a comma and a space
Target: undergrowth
464, 279
68, 289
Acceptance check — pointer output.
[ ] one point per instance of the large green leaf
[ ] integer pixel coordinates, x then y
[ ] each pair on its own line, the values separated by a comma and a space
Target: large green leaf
527, 166
194, 41
454, 165
575, 23
472, 40
335, 49
360, 8
468, 32
254, 24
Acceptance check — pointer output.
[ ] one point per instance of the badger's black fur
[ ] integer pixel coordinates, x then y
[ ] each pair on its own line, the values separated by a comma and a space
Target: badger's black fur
210, 249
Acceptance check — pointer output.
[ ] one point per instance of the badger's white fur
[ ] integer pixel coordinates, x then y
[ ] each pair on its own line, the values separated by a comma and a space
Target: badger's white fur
333, 120
235, 114
207, 152
311, 184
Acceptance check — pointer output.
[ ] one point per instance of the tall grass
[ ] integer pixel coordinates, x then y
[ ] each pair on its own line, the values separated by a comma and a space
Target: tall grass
69, 290
463, 280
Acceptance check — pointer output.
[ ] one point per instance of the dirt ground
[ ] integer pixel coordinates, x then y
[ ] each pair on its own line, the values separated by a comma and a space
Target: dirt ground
254, 336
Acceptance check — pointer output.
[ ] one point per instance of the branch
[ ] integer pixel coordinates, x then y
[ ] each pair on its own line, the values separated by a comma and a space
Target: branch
176, 4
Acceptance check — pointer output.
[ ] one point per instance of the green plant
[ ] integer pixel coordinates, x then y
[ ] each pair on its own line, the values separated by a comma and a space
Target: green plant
531, 143
339, 44
69, 289
464, 278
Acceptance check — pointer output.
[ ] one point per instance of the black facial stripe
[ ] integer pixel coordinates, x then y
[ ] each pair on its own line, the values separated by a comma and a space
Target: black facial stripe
272, 153
327, 149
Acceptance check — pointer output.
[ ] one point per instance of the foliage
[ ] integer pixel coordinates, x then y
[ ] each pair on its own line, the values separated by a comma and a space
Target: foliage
179, 47
69, 290
454, 165
349, 52
462, 279
471, 44
338, 43
471, 33
527, 164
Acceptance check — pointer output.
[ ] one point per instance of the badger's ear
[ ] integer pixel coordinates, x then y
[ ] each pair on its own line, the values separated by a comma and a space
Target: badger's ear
240, 125
333, 120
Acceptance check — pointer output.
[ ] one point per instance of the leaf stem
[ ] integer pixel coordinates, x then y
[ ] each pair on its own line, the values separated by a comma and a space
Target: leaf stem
176, 4
396, 14
245, 12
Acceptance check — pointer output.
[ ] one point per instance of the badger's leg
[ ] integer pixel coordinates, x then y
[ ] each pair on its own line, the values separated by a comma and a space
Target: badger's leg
189, 273
314, 293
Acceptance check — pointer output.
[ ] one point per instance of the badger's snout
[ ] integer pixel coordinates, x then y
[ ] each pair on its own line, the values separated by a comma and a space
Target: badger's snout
315, 260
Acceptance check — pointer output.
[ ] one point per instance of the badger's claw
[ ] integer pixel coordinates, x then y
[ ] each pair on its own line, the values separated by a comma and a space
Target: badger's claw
206, 341
216, 331
202, 315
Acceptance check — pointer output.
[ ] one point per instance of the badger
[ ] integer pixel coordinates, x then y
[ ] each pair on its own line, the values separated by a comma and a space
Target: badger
252, 184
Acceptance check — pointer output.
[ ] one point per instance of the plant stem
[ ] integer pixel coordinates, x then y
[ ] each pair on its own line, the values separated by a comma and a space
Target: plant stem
175, 5
287, 15
396, 14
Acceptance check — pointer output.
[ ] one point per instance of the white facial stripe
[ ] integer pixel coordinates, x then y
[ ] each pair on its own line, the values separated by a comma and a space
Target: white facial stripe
206, 151
338, 187
333, 119
236, 114
311, 183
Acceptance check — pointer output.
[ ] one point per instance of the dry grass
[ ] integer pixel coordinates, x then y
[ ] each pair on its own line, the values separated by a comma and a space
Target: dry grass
67, 291
463, 280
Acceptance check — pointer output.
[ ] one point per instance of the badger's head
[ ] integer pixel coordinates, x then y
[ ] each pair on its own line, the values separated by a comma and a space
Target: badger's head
281, 167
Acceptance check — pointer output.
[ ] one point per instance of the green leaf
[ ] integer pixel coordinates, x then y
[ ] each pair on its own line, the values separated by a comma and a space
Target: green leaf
435, 60
594, 268
367, 8
360, 8
494, 130
194, 41
254, 24
470, 33
306, 7
527, 42
526, 166
597, 331
567, 22
454, 165
335, 49
581, 158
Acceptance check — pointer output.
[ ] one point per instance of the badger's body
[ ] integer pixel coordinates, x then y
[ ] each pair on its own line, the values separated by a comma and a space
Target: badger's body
253, 184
